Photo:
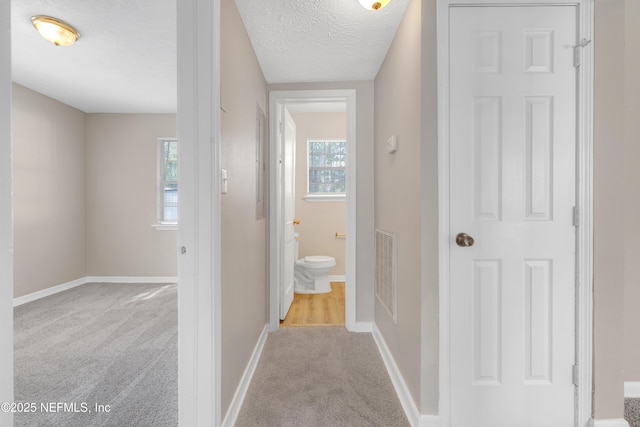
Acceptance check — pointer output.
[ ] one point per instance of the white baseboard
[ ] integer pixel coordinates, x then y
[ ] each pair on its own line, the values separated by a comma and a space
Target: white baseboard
134, 279
608, 423
399, 384
632, 390
241, 391
49, 291
337, 278
89, 279
429, 421
360, 327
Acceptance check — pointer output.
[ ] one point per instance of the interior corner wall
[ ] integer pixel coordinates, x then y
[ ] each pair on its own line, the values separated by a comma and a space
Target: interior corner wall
364, 186
609, 208
243, 236
319, 221
632, 190
121, 175
398, 190
48, 192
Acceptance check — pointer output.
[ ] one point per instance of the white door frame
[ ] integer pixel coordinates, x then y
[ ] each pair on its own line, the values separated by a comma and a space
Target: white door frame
584, 195
199, 291
6, 215
278, 98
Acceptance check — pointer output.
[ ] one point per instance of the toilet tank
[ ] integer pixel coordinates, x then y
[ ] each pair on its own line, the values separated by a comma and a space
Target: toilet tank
296, 246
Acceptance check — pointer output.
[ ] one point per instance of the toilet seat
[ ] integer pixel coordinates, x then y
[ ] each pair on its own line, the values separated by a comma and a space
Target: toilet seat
318, 261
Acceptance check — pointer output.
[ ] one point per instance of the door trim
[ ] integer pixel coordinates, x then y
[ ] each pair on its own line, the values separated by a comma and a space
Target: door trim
6, 217
276, 99
199, 268
584, 195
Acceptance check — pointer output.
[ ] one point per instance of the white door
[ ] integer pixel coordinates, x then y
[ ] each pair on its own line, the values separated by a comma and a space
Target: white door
288, 210
512, 189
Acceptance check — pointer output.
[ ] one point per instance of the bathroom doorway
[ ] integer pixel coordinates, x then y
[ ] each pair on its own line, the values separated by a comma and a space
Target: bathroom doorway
312, 209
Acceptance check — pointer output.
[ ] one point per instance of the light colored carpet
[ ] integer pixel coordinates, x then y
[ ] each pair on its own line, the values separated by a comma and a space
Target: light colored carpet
107, 344
632, 412
319, 377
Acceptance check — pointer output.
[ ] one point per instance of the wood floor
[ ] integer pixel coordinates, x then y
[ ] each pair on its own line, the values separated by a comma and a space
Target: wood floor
317, 309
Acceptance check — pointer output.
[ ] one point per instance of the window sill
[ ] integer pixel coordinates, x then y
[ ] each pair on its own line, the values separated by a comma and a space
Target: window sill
325, 198
165, 226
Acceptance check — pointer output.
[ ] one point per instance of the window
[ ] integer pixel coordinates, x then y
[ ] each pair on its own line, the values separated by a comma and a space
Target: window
167, 197
327, 164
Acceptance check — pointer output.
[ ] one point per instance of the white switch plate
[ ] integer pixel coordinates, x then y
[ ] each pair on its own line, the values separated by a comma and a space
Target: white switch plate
392, 144
224, 181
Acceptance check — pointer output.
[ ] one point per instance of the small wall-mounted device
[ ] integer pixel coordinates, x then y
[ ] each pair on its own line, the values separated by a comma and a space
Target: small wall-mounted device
224, 181
392, 144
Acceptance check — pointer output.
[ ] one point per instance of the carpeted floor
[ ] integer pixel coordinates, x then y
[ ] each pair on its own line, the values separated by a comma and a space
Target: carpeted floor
632, 412
98, 344
318, 377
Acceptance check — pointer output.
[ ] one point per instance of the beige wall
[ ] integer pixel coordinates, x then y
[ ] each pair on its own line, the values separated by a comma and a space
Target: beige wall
121, 171
319, 221
85, 194
364, 187
244, 280
632, 189
429, 396
609, 207
49, 192
397, 189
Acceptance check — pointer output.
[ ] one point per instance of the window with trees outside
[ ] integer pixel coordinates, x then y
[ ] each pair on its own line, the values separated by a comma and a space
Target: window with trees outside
327, 169
167, 197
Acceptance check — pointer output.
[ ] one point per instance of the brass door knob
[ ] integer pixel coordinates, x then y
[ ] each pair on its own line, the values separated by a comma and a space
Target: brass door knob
464, 240
296, 221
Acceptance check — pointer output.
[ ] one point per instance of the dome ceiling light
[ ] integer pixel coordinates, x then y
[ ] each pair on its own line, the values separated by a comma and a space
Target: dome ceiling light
54, 30
374, 4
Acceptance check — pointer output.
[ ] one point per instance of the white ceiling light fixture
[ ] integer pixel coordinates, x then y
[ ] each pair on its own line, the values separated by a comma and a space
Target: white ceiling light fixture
374, 4
54, 30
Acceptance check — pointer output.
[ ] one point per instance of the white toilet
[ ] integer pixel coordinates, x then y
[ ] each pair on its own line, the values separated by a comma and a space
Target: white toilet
312, 272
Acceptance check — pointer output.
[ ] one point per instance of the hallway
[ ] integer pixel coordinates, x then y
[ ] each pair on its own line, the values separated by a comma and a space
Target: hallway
317, 377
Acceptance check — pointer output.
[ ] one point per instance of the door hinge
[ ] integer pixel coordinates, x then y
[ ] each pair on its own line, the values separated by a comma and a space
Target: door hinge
577, 53
575, 374
576, 216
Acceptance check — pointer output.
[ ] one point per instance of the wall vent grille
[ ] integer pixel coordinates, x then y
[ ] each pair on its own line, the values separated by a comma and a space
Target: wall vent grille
386, 287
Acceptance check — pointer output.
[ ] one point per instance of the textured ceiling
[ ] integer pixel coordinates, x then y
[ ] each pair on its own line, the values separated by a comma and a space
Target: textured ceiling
125, 60
319, 40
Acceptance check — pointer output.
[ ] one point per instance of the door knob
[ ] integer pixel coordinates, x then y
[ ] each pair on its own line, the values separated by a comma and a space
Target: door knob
296, 221
464, 240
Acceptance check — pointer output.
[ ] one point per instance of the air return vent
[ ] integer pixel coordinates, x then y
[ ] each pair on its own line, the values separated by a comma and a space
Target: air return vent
386, 271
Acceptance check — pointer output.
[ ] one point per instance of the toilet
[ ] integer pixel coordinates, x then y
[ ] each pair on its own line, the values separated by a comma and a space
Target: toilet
311, 273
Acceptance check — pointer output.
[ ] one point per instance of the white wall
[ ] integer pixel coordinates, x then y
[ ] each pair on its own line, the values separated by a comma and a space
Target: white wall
244, 282
364, 182
49, 192
6, 233
121, 173
319, 221
398, 189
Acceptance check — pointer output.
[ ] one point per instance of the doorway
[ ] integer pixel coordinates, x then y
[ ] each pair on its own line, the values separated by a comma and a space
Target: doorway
281, 227
515, 225
316, 225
